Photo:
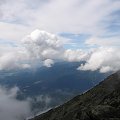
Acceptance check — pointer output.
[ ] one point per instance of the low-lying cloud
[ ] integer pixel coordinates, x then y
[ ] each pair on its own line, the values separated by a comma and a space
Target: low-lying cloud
48, 63
12, 108
103, 59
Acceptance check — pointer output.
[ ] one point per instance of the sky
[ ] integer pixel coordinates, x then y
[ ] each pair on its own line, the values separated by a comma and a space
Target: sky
40, 32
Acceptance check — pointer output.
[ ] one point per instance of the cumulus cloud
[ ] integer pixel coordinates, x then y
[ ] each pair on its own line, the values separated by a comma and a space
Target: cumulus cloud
48, 63
103, 59
42, 45
105, 56
48, 47
39, 47
10, 107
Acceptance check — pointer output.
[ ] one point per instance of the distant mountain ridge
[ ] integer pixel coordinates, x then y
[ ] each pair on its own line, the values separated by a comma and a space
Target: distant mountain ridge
100, 103
60, 76
50, 87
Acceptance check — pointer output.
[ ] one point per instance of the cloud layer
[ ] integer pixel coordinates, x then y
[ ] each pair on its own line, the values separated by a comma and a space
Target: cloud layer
43, 48
93, 17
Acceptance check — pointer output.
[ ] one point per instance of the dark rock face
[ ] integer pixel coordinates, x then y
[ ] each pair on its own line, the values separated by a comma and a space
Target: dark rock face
100, 103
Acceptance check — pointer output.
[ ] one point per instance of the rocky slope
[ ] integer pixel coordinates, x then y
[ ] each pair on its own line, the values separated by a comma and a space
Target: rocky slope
100, 103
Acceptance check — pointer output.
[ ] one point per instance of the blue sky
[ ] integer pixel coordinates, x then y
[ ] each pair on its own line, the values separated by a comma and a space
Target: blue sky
78, 40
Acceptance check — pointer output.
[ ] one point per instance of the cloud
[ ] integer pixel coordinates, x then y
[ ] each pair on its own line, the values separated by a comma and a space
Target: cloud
44, 99
13, 32
43, 48
39, 47
10, 107
105, 56
96, 18
47, 47
56, 16
48, 63
13, 58
42, 45
75, 55
41, 103
103, 59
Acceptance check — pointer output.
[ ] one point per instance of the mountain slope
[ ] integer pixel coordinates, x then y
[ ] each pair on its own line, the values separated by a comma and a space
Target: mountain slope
100, 103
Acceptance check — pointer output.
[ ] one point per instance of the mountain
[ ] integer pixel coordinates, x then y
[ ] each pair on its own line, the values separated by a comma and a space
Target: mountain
100, 103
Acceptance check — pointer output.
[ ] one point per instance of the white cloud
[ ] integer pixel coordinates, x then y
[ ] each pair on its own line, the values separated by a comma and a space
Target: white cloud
47, 47
56, 16
39, 47
75, 55
103, 59
13, 58
10, 107
42, 45
43, 48
73, 15
95, 18
48, 63
16, 32
105, 69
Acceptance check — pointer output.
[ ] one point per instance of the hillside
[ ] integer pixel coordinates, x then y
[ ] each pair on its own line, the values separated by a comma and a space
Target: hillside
100, 103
